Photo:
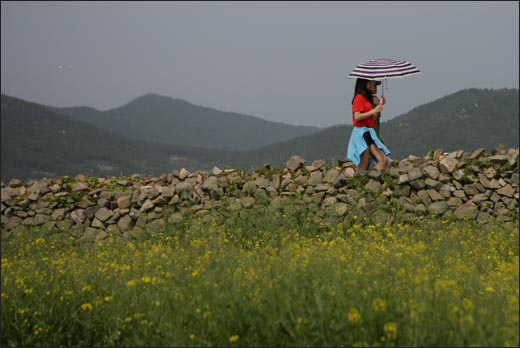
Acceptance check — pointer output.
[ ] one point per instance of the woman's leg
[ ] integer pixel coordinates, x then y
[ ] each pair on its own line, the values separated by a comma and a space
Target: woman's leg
379, 156
363, 164
374, 151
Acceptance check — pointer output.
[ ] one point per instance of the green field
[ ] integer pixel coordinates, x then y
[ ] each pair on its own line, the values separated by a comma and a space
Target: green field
275, 277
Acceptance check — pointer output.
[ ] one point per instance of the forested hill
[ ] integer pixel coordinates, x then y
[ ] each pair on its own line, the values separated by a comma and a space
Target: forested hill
161, 119
37, 142
466, 120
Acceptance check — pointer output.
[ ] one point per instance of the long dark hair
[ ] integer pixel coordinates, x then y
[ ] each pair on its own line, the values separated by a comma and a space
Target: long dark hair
361, 87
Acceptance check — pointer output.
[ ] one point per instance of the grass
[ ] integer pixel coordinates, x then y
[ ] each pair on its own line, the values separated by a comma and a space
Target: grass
280, 277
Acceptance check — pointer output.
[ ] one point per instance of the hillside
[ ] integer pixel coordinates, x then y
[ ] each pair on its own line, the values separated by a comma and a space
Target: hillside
466, 120
37, 142
156, 118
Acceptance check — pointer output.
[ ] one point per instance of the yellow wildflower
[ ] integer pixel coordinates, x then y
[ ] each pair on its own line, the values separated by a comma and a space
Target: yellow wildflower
354, 317
467, 304
390, 330
233, 338
86, 307
379, 305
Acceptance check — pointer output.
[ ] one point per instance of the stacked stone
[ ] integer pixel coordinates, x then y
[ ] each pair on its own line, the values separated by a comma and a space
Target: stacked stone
458, 184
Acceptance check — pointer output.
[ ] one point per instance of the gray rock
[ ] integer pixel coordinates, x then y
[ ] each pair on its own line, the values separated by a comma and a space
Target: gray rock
80, 186
328, 202
448, 164
414, 174
349, 172
330, 175
261, 196
402, 190
294, 163
125, 223
276, 182
248, 202
403, 179
124, 201
315, 178
183, 174
340, 209
210, 184
97, 224
467, 211
262, 182
507, 191
476, 154
434, 184
425, 197
438, 208
250, 187
479, 198
471, 189
64, 225
339, 181
418, 184
454, 201
434, 195
184, 187
78, 216
103, 214
373, 186
85, 202
15, 183
216, 171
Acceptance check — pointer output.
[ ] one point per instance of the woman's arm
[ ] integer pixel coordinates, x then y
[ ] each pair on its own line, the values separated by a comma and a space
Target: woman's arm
358, 116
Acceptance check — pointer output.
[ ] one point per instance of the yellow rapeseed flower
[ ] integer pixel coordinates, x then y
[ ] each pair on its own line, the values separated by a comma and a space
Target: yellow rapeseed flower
86, 307
130, 283
467, 304
390, 330
379, 305
354, 316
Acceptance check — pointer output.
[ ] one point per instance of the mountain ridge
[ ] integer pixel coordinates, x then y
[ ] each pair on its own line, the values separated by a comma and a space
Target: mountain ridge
157, 118
33, 146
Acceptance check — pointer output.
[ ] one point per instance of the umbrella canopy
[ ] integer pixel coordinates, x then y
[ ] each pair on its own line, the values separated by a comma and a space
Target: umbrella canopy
383, 68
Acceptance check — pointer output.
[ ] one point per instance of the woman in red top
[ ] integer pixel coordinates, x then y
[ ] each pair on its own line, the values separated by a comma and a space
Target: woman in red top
364, 145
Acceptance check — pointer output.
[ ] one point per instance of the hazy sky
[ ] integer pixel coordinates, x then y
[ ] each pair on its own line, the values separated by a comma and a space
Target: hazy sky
281, 61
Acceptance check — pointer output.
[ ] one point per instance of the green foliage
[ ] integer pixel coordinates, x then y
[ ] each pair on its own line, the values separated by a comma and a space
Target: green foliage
266, 278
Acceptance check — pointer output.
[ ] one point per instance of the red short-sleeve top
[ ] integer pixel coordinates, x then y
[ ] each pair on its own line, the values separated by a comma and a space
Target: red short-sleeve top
362, 105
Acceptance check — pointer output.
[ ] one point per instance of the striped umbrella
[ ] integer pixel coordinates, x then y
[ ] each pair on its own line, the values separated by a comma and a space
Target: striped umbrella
381, 68
384, 68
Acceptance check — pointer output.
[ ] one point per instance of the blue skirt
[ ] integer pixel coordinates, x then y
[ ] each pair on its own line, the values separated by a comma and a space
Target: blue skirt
357, 145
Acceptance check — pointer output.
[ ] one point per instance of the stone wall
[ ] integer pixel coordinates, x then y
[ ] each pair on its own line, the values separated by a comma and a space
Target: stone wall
477, 186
